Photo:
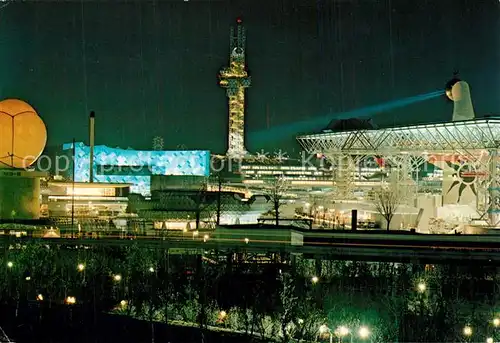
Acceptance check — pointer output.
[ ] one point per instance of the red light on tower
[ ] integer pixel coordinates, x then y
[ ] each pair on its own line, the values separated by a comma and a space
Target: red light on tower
239, 21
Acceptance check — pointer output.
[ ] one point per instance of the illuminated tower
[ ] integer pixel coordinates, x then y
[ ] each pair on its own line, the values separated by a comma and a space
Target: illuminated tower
235, 79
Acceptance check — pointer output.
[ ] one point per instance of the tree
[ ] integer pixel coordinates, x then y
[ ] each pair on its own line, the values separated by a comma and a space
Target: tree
157, 143
387, 201
288, 303
275, 191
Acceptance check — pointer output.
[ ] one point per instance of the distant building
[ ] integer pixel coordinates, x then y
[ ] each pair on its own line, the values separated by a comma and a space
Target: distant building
85, 199
135, 167
300, 175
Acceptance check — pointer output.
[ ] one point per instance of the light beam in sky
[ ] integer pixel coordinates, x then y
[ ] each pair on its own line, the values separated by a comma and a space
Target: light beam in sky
287, 130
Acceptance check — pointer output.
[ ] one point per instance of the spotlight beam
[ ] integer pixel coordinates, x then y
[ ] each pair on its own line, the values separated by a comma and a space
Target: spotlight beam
312, 124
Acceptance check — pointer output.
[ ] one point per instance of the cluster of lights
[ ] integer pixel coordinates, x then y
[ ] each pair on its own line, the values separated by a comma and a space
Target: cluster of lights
342, 331
467, 330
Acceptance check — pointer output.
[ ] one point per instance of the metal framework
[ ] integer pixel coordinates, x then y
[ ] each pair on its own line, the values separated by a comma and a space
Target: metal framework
235, 79
466, 137
475, 142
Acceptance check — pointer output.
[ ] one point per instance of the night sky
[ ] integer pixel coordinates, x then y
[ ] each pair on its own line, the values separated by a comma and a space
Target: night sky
149, 68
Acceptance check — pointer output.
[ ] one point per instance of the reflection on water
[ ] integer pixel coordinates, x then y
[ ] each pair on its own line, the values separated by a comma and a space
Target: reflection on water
288, 298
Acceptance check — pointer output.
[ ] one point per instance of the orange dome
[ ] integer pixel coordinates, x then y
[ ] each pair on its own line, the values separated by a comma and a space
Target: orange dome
22, 134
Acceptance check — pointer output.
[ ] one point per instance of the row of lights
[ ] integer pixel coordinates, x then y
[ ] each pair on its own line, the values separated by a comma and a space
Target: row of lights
342, 331
468, 330
81, 267
206, 237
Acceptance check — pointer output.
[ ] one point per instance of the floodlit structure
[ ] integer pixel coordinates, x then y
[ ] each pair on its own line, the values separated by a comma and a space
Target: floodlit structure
458, 91
84, 199
22, 134
22, 139
235, 79
135, 167
466, 151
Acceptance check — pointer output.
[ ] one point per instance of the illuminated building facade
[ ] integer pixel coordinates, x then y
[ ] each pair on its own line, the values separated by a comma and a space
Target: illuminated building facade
86, 199
235, 79
135, 167
298, 175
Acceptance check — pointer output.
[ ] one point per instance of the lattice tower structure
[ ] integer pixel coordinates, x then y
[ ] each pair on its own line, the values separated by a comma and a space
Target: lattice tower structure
345, 181
235, 79
475, 143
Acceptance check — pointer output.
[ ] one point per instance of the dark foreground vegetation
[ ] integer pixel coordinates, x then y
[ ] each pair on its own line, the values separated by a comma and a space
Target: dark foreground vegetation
130, 293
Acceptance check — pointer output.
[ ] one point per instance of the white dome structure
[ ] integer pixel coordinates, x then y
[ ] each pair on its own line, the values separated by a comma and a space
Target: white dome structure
459, 92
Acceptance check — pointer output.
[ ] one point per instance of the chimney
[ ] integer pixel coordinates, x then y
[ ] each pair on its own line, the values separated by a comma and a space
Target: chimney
92, 143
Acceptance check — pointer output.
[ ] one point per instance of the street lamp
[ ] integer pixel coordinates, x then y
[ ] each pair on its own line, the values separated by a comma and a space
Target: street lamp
325, 329
421, 287
467, 331
364, 332
70, 300
314, 279
117, 277
343, 331
10, 264
496, 322
489, 340
81, 267
223, 314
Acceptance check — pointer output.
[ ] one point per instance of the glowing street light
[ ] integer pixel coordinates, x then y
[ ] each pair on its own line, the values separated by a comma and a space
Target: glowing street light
323, 329
314, 279
117, 278
247, 240
421, 287
467, 331
489, 340
81, 267
70, 300
342, 331
151, 270
10, 264
364, 332
496, 322
123, 303
39, 297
